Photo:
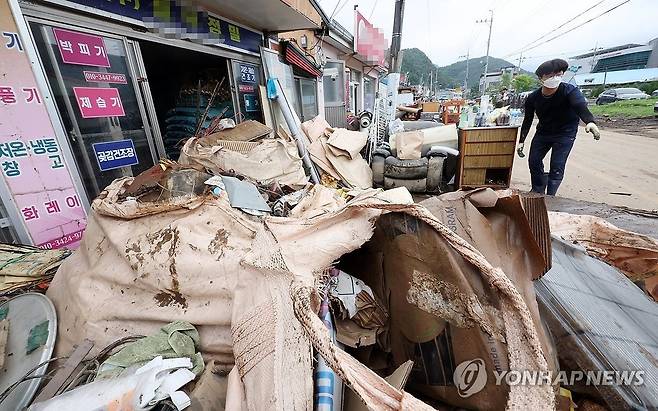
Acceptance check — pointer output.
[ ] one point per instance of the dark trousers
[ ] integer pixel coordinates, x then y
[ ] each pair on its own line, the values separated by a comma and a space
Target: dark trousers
560, 146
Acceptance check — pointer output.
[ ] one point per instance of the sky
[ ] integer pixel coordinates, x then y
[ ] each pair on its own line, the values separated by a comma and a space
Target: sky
447, 29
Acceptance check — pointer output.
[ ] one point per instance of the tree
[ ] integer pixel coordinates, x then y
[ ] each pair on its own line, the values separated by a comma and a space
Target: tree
524, 82
505, 80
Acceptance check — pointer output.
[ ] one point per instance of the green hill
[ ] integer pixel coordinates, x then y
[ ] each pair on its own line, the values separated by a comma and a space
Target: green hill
416, 63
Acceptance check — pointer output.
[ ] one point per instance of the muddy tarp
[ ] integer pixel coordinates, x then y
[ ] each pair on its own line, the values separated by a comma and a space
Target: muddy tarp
444, 312
273, 160
249, 286
636, 255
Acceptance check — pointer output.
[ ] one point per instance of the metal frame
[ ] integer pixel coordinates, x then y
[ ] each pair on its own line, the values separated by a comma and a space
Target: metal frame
154, 125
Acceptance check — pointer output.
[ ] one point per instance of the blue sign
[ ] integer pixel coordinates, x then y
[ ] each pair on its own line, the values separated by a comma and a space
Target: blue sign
115, 154
189, 22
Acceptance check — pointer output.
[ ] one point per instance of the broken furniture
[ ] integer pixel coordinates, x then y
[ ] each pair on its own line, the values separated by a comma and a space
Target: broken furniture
450, 111
487, 156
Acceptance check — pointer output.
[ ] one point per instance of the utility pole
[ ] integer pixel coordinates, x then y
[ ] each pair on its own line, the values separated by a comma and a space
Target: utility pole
468, 52
396, 39
521, 59
486, 64
596, 49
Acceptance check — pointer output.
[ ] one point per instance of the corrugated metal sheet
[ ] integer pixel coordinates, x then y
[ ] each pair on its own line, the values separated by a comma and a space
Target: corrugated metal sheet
600, 321
336, 116
537, 214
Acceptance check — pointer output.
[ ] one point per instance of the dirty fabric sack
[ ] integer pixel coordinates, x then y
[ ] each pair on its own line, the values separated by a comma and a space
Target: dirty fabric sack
445, 316
273, 160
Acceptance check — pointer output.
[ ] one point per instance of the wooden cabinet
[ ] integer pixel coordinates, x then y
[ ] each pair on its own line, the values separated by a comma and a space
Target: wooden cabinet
486, 156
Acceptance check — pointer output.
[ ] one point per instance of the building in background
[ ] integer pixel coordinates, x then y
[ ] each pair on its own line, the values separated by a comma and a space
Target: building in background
493, 79
351, 65
624, 64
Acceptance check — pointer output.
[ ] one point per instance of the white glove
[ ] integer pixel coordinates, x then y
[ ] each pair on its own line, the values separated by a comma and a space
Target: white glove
519, 150
594, 129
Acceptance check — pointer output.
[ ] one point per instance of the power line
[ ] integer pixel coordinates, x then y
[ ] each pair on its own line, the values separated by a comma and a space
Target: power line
374, 6
570, 30
562, 25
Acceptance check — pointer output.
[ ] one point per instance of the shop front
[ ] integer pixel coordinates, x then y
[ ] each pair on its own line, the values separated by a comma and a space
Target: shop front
122, 85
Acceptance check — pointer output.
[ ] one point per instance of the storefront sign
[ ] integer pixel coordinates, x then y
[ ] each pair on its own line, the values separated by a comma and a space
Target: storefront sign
246, 88
190, 22
31, 160
99, 77
248, 73
80, 48
95, 102
115, 154
369, 41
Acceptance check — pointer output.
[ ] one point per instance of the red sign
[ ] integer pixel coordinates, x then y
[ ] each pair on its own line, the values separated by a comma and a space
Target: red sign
369, 41
80, 48
99, 77
245, 88
95, 102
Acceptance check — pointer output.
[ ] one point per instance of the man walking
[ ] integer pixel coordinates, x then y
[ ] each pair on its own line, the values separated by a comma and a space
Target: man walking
559, 107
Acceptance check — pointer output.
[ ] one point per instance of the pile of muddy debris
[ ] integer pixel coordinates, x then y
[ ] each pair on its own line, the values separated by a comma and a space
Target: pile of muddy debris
227, 280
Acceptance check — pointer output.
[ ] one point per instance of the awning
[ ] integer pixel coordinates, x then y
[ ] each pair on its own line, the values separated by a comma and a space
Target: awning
296, 57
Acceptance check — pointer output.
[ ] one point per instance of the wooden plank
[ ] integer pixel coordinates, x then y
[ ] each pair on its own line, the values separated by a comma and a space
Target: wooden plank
79, 353
492, 135
473, 176
489, 148
497, 161
4, 333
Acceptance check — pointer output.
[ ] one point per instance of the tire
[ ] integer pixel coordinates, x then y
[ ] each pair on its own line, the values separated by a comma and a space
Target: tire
405, 169
382, 152
378, 170
435, 174
414, 186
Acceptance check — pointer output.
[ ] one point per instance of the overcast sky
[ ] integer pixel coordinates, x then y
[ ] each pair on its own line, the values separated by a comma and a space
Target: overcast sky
447, 29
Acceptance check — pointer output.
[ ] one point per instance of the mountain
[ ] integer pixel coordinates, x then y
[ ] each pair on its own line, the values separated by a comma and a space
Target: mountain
416, 63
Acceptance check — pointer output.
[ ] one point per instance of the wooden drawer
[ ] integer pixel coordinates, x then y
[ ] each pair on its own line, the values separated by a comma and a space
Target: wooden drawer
489, 148
484, 135
488, 161
473, 176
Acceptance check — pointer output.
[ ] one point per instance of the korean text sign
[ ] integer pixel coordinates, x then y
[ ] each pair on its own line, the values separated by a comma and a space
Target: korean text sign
31, 159
80, 48
96, 102
115, 154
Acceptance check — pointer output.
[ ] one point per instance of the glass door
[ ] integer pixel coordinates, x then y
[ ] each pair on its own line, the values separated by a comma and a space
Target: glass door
94, 85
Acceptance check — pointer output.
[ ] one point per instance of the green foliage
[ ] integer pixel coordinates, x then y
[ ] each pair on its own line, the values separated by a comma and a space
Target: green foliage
505, 81
596, 91
525, 82
419, 66
626, 109
648, 87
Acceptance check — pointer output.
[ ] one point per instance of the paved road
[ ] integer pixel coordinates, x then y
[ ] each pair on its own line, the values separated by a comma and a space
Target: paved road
620, 163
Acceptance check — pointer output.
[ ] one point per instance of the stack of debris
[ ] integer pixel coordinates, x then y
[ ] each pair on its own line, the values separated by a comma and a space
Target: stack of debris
26, 268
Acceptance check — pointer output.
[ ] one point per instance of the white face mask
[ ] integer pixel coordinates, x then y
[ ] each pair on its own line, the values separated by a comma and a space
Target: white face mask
552, 82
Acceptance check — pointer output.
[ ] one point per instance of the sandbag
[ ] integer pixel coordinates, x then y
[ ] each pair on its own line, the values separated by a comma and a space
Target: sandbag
272, 160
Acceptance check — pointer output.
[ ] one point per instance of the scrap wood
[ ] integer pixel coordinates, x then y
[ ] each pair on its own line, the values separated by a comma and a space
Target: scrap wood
25, 267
